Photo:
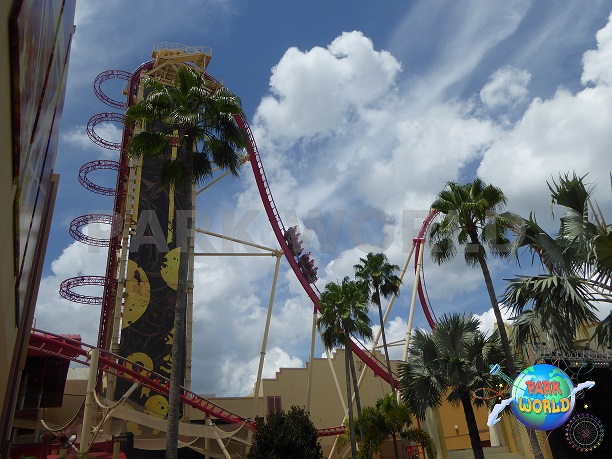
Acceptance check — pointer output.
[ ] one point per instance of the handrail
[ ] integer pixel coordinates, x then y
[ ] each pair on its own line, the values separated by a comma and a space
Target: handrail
182, 48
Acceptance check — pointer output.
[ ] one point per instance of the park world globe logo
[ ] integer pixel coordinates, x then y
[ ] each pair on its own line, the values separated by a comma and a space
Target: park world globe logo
542, 397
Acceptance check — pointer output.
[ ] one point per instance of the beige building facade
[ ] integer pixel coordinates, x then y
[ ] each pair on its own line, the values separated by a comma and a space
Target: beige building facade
288, 388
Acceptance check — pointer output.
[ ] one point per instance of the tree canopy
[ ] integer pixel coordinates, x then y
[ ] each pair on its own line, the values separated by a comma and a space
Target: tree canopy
286, 435
577, 271
450, 363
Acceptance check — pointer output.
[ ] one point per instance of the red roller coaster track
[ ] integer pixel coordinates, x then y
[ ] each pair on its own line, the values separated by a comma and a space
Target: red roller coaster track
279, 231
45, 342
42, 342
418, 245
77, 351
108, 305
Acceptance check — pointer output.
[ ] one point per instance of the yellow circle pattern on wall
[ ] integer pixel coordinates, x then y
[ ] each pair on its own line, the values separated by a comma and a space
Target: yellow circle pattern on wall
157, 405
141, 359
137, 294
170, 267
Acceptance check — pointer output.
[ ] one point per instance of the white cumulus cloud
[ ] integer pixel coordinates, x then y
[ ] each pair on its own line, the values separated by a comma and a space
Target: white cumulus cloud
507, 86
313, 93
598, 63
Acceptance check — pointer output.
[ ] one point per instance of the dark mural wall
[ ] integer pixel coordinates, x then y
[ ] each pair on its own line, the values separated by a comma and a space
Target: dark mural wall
151, 282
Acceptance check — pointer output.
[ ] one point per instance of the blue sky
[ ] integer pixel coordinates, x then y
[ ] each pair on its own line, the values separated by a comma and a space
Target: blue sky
359, 109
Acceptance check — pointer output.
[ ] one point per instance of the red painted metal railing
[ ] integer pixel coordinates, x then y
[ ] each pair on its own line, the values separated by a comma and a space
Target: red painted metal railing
77, 351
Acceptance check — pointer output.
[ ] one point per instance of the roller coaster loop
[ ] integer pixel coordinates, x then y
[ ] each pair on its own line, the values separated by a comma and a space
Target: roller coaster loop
107, 75
67, 285
104, 118
76, 227
99, 164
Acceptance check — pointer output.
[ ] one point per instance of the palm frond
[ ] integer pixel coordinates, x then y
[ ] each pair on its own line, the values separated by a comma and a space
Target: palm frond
223, 155
525, 329
602, 250
603, 333
172, 172
570, 192
148, 144
447, 362
202, 168
470, 214
561, 303
343, 312
553, 255
471, 252
442, 250
141, 112
423, 438
202, 117
186, 78
419, 389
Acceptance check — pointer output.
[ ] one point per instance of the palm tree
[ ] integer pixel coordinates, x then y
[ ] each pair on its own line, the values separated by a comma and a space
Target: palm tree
452, 360
202, 114
344, 313
578, 271
389, 418
471, 215
380, 278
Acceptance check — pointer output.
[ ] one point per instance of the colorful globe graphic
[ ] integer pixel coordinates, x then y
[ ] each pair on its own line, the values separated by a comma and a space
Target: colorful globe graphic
542, 397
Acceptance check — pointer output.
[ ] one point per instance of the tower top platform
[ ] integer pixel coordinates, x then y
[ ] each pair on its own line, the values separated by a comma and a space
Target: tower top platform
171, 56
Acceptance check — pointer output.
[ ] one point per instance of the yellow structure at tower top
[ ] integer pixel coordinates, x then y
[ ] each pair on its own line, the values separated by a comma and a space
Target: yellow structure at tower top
171, 56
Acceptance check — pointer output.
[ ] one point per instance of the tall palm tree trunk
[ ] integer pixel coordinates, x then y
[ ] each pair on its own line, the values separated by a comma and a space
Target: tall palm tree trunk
495, 305
472, 426
349, 397
387, 360
512, 371
386, 349
178, 341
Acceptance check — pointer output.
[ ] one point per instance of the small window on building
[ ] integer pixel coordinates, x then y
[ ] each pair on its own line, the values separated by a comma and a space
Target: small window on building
274, 404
